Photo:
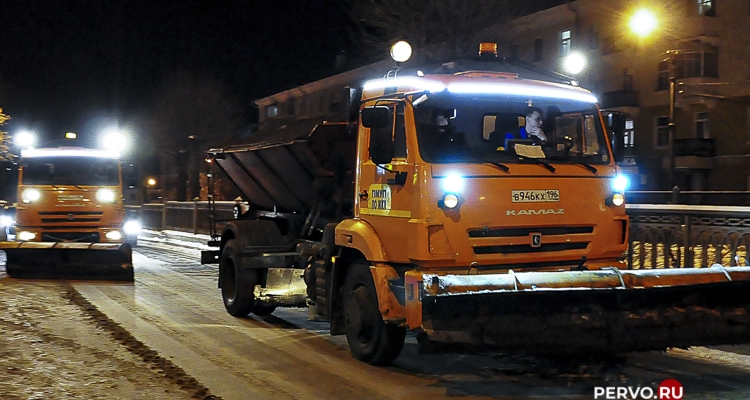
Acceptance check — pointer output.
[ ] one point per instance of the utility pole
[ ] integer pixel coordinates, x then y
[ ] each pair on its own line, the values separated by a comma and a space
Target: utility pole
670, 128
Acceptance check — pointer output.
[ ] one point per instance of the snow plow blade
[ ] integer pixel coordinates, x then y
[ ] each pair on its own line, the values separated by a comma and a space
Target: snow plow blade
55, 260
585, 313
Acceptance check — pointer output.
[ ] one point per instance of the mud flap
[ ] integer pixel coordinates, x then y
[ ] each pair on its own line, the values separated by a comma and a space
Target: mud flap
580, 322
105, 261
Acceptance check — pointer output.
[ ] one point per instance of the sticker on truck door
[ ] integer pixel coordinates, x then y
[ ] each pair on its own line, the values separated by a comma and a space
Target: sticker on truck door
380, 197
379, 203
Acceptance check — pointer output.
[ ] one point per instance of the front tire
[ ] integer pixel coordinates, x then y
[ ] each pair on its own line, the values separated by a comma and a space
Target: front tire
370, 339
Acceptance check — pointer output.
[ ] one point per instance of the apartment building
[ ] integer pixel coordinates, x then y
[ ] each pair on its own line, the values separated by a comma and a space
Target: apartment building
702, 44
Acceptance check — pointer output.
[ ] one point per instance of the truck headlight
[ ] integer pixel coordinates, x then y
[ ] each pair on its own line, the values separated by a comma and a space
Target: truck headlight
26, 236
449, 201
132, 227
616, 199
620, 183
113, 235
453, 183
105, 196
30, 195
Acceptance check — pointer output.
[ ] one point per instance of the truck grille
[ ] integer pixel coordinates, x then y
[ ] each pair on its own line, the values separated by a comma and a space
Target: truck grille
551, 239
52, 217
84, 237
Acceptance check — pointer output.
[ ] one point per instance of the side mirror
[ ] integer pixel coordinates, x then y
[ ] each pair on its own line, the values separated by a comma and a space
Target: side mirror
380, 122
376, 117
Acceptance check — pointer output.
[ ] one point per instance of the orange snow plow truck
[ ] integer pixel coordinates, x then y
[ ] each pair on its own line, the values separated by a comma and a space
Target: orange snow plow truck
439, 208
69, 216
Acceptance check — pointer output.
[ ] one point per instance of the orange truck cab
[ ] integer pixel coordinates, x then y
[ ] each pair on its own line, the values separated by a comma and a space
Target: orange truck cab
70, 211
441, 209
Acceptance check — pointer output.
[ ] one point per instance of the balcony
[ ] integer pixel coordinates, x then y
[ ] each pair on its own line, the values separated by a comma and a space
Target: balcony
693, 154
619, 98
695, 147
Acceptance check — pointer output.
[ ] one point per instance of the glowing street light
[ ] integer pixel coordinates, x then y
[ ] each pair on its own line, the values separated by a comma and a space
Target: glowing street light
643, 22
151, 182
574, 63
24, 139
401, 51
114, 140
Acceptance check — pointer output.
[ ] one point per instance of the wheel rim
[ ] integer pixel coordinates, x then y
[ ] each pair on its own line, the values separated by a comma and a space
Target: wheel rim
358, 315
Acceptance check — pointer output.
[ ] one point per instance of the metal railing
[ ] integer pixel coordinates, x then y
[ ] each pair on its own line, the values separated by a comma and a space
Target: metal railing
661, 235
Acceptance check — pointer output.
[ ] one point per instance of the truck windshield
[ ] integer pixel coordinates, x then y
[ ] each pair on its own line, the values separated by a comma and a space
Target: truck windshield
70, 171
470, 128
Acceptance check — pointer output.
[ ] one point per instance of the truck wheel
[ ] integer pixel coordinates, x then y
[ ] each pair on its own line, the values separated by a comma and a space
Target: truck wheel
370, 339
237, 286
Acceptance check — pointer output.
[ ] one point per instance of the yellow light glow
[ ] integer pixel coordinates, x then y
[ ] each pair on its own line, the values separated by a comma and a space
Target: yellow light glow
151, 182
643, 23
70, 135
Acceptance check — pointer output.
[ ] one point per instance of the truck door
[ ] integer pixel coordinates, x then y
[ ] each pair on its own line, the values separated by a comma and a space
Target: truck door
386, 190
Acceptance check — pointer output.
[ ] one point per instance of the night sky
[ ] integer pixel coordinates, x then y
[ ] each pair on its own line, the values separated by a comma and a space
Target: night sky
64, 63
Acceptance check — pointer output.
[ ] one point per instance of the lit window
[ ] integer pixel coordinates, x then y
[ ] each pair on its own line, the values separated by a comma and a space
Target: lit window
272, 111
705, 7
629, 134
565, 43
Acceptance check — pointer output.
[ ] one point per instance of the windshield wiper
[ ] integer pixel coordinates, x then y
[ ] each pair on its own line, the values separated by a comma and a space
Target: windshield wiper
539, 161
581, 163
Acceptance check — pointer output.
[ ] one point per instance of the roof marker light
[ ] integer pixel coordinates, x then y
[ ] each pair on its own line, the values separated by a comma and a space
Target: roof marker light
522, 90
409, 81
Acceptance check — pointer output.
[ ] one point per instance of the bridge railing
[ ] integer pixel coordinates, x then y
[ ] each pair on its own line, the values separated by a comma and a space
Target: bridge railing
661, 235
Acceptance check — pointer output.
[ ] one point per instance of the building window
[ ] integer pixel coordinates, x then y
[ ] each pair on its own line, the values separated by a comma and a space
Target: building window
705, 7
699, 64
272, 111
565, 43
537, 50
701, 125
629, 133
662, 131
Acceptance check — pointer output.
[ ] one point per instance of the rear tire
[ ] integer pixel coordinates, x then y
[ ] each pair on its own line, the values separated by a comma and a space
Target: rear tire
237, 286
370, 339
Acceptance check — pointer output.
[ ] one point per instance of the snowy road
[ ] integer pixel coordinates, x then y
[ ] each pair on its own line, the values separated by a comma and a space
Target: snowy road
170, 332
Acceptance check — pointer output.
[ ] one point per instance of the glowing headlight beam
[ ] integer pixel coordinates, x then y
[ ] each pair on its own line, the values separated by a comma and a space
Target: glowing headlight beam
453, 183
105, 195
620, 183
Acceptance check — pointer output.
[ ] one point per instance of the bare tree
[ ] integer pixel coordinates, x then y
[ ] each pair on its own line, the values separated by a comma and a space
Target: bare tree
5, 140
190, 114
438, 30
